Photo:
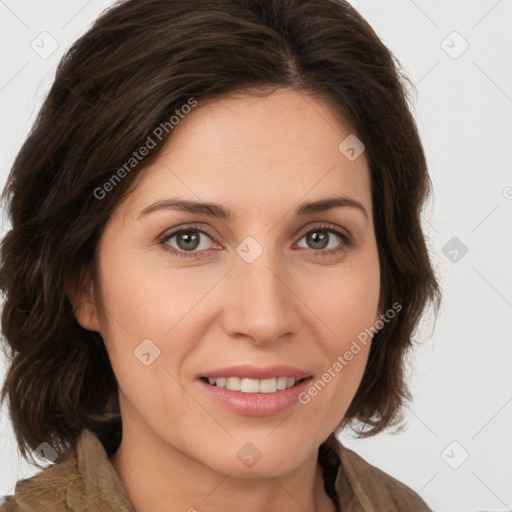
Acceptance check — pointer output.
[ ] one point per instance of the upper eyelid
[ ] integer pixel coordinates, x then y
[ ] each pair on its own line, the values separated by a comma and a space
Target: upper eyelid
176, 231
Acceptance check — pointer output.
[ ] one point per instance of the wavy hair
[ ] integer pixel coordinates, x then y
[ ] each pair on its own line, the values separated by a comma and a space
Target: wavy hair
135, 66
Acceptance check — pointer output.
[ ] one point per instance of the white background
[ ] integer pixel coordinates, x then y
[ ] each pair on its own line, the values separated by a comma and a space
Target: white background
460, 374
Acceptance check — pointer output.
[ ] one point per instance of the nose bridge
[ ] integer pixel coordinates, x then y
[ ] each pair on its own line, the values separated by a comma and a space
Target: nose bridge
262, 303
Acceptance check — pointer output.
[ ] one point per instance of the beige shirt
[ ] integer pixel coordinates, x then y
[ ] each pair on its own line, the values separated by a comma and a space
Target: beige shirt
87, 482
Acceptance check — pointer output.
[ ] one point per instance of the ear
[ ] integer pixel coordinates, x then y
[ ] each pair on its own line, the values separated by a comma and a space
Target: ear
80, 292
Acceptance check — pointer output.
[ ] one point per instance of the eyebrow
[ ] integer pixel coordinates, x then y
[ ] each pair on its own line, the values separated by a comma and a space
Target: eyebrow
218, 211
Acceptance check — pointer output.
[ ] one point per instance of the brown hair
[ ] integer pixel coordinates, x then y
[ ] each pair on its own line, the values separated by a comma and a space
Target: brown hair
137, 65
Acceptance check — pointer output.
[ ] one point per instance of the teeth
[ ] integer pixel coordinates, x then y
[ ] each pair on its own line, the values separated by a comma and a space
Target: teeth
250, 385
268, 386
246, 385
282, 382
233, 383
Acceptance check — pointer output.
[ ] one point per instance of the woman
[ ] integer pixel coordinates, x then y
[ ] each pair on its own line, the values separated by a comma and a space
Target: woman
216, 262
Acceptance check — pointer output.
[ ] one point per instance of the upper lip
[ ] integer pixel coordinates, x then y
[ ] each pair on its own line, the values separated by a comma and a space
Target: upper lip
260, 373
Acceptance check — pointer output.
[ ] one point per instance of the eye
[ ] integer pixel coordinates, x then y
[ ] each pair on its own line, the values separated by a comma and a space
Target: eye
321, 237
188, 242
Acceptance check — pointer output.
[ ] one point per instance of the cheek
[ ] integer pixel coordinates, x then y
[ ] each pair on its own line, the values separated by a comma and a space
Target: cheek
346, 300
133, 290
347, 303
142, 300
141, 309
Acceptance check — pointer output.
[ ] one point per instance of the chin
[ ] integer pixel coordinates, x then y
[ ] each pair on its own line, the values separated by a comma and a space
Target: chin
257, 456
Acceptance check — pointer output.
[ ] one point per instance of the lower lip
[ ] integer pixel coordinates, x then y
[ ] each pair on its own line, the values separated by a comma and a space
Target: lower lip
256, 404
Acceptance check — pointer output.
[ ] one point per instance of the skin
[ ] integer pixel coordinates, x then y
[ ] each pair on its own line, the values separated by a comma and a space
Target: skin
259, 157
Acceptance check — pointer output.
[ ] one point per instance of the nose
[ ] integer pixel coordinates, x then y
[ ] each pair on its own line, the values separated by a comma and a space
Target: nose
261, 304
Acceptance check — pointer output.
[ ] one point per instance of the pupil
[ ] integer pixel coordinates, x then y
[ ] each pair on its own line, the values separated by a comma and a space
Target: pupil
315, 238
190, 238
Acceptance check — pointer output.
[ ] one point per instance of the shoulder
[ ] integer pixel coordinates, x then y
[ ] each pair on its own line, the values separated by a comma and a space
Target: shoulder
45, 491
84, 481
371, 488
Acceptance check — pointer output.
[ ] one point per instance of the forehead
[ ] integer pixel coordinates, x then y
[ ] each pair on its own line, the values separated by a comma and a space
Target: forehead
251, 152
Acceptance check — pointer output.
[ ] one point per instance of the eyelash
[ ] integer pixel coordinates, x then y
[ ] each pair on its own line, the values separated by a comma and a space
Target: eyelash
346, 241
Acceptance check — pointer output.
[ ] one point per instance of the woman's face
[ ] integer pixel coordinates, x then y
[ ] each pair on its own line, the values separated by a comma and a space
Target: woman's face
271, 284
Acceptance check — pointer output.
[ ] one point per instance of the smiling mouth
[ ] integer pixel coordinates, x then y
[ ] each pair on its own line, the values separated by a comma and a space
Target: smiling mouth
246, 385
